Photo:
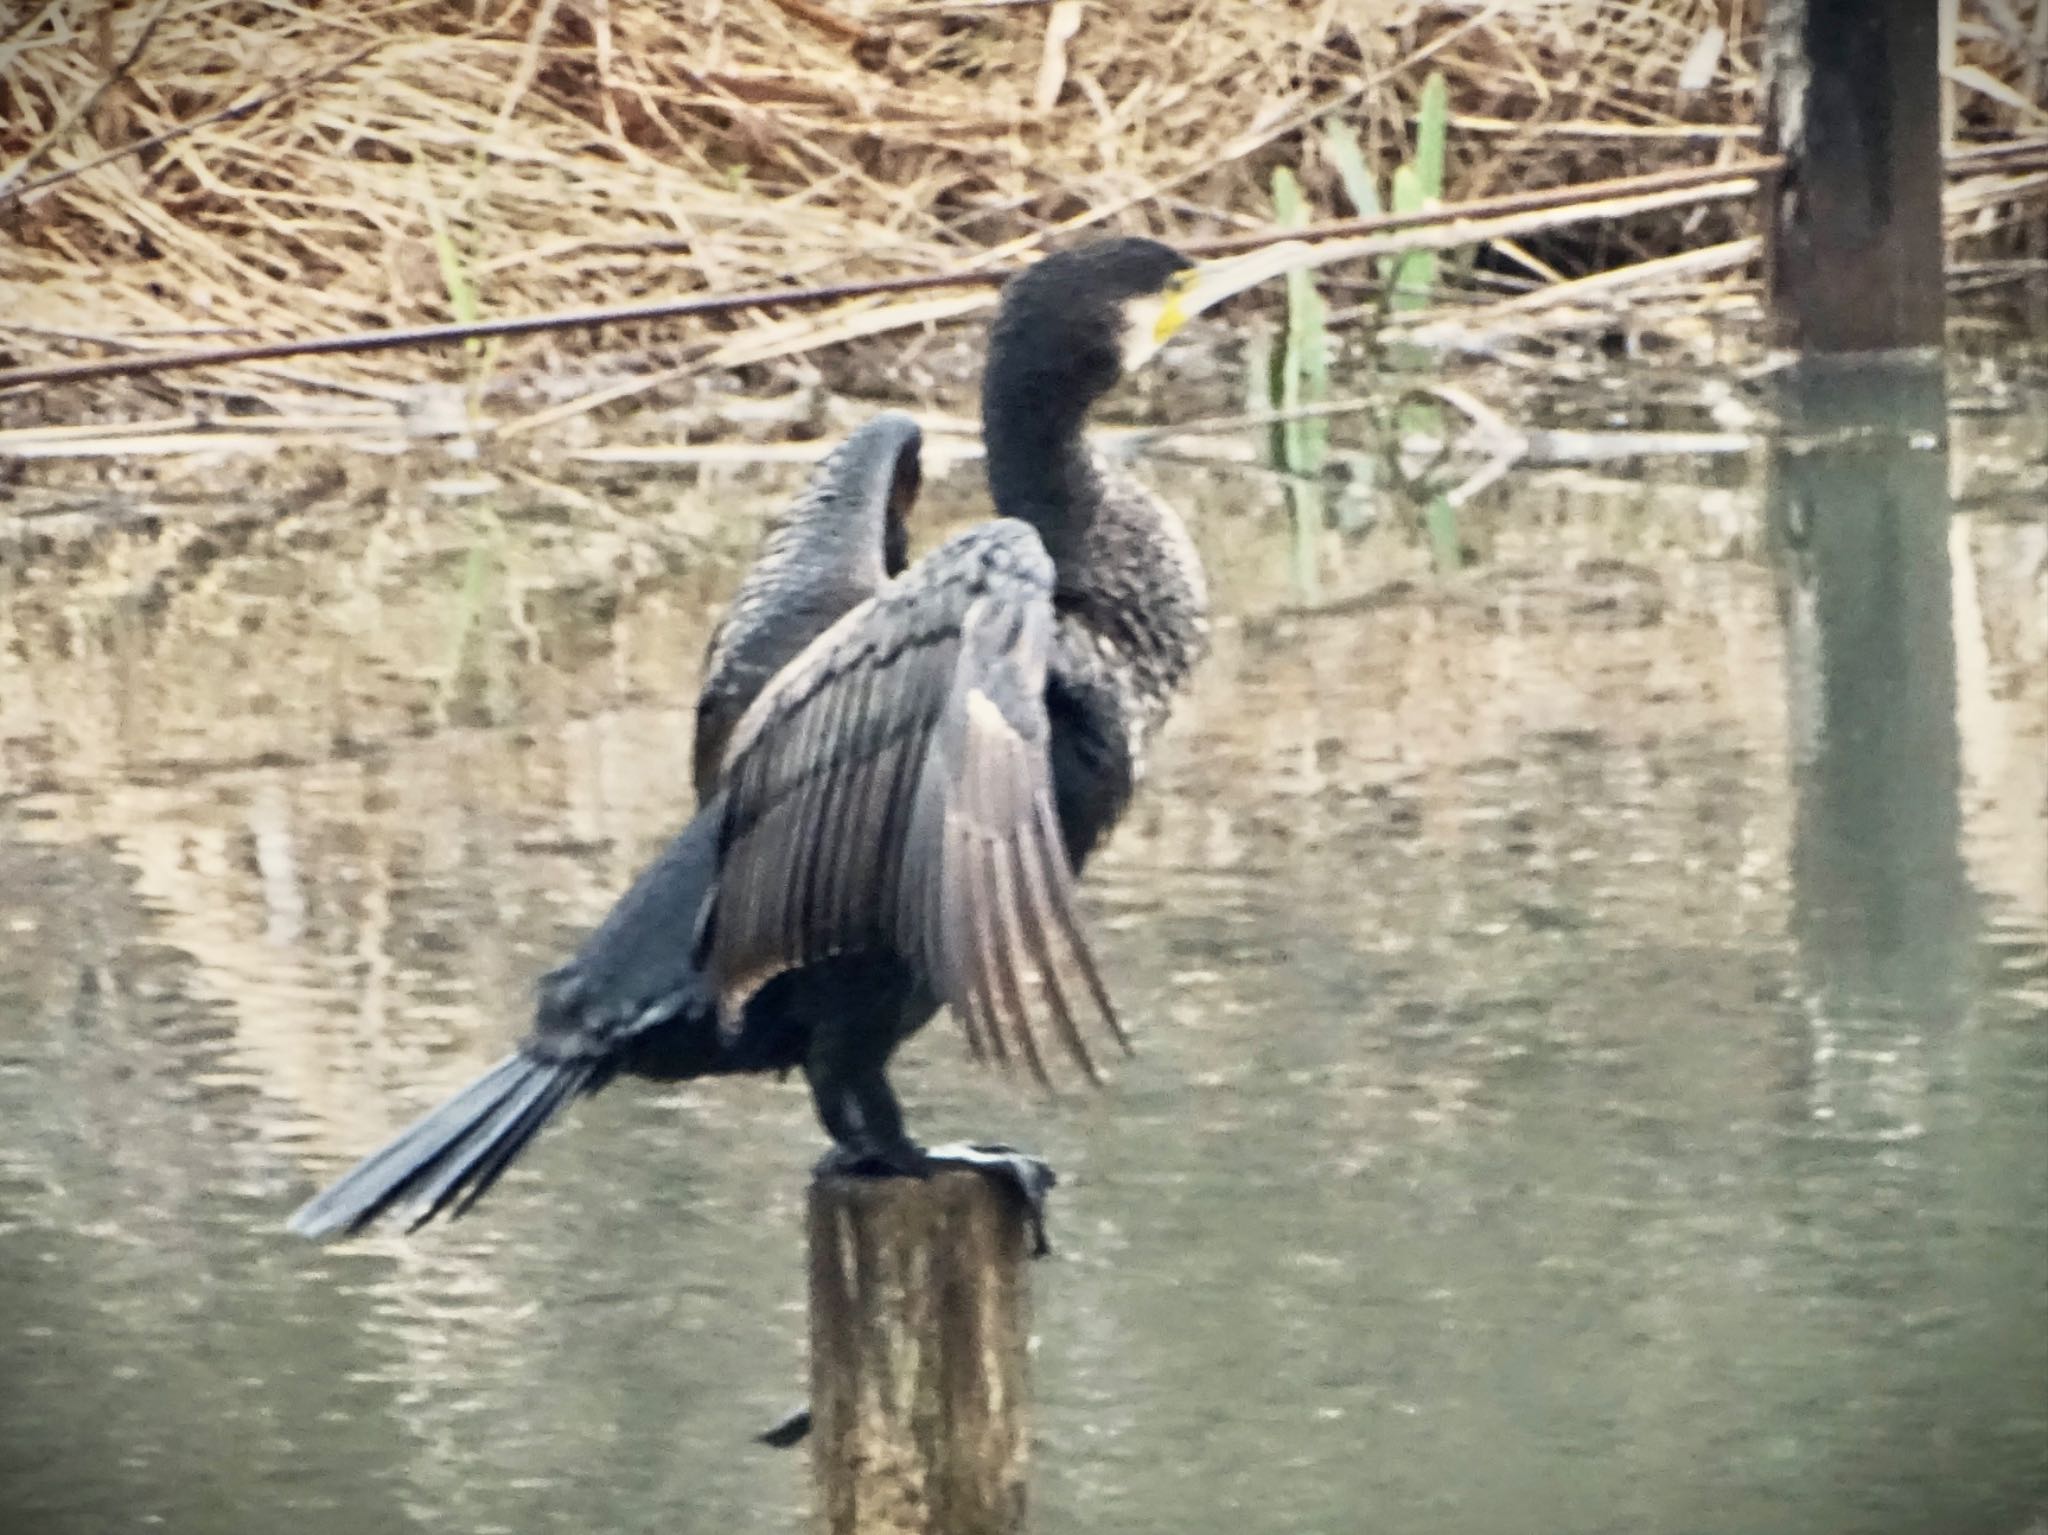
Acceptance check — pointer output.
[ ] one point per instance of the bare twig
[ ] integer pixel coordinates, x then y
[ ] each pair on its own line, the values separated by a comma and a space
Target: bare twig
825, 20
227, 114
1601, 286
518, 325
1249, 420
1708, 181
1457, 224
83, 108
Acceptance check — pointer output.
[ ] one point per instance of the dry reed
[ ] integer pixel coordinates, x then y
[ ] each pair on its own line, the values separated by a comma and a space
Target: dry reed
330, 167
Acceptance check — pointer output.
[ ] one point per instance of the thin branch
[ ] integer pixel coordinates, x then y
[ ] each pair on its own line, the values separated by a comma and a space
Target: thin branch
825, 20
231, 113
115, 76
1145, 437
1456, 224
1577, 195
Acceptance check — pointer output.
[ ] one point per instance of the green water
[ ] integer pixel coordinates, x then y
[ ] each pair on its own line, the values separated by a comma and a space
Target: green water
1593, 1022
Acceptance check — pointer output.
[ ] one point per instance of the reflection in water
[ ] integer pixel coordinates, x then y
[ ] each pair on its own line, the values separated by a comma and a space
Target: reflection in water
1461, 1183
1899, 1043
1860, 504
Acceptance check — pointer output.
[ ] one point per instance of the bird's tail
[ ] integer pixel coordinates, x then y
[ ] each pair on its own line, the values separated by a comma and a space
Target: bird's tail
453, 1154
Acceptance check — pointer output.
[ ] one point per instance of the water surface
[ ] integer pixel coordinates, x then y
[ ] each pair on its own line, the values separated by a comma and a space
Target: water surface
1593, 1019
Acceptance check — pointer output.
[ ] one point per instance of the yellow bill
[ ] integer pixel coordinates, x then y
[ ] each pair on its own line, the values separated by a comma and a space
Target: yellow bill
1202, 287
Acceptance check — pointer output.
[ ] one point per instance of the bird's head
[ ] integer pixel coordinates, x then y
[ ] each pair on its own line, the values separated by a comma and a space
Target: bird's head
1071, 326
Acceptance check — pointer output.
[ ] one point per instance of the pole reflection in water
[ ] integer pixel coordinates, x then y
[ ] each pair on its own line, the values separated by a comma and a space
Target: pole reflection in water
1917, 1203
1882, 914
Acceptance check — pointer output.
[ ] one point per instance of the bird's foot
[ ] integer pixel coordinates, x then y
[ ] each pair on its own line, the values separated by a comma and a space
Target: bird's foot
904, 1161
1030, 1178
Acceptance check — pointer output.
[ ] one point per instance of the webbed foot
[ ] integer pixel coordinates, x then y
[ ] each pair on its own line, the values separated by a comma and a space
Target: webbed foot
1029, 1178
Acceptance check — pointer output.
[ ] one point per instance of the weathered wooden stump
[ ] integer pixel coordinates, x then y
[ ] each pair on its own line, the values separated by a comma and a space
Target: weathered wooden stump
920, 1317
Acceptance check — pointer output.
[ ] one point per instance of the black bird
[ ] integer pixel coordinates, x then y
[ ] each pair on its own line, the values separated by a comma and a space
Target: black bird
899, 770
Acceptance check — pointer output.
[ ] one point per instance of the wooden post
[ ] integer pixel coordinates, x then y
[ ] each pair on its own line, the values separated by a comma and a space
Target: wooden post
1853, 102
920, 1316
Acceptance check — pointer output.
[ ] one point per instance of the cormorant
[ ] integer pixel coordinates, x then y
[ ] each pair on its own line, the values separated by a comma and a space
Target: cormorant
899, 770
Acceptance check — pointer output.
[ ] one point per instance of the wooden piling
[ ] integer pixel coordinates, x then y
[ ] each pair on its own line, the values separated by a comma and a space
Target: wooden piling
1853, 102
920, 1317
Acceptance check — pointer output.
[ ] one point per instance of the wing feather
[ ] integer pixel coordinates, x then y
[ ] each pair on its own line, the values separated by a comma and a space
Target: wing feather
845, 882
992, 804
1055, 882
839, 542
891, 788
974, 944
1003, 891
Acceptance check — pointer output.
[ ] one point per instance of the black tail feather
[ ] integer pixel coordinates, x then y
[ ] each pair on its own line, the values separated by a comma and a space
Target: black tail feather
631, 1000
456, 1151
506, 1146
506, 1141
453, 1169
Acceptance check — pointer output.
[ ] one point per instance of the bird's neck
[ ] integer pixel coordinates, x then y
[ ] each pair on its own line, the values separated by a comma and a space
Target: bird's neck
1128, 584
1039, 467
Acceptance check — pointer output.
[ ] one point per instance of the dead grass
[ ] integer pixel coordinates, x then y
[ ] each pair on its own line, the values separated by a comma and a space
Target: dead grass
597, 151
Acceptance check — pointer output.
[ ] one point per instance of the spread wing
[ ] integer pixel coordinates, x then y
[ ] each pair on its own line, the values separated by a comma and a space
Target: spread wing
838, 544
891, 789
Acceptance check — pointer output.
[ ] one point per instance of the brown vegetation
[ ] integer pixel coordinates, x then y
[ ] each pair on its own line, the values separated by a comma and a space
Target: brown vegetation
402, 162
